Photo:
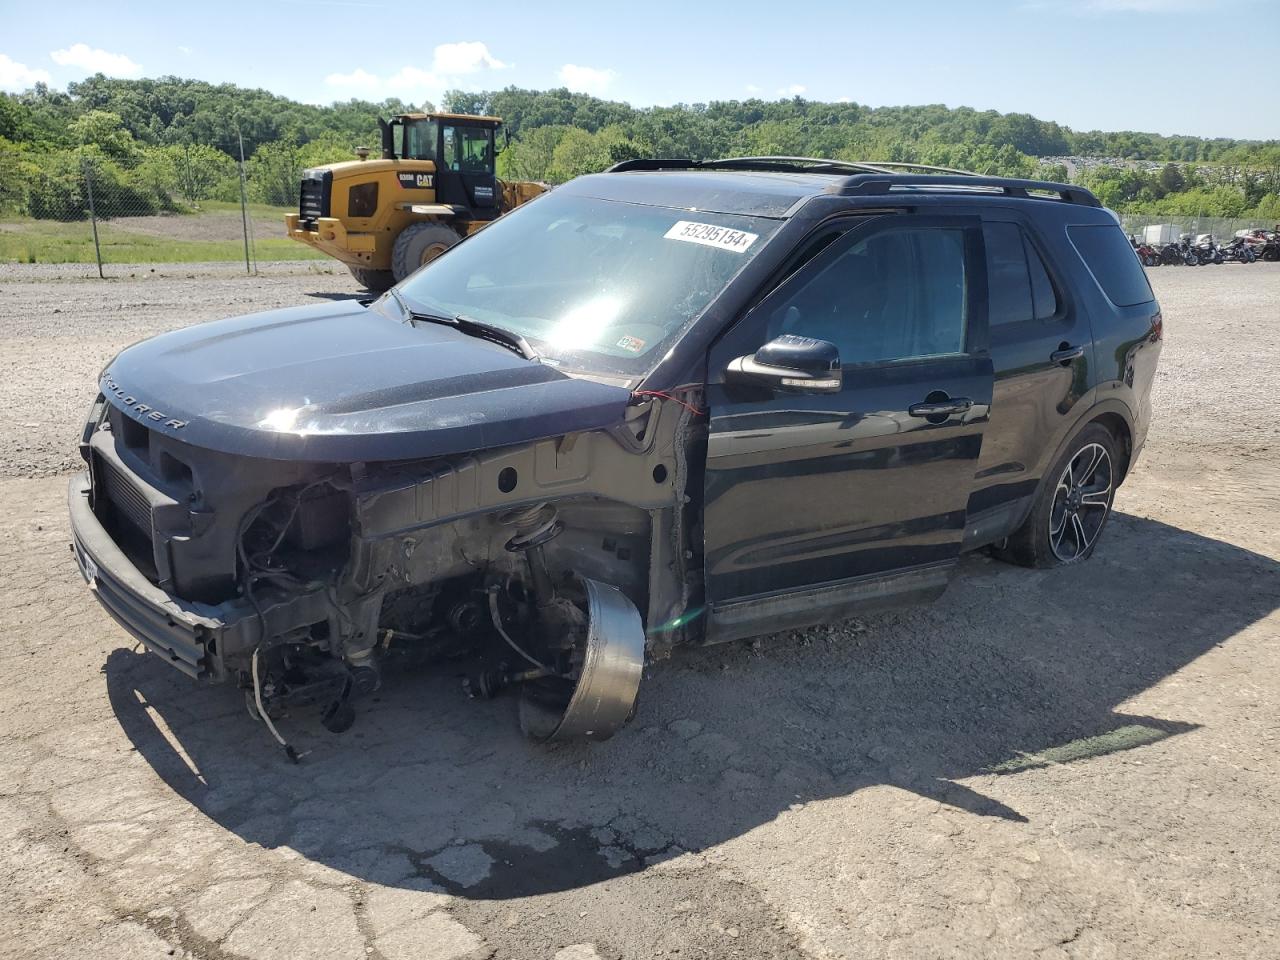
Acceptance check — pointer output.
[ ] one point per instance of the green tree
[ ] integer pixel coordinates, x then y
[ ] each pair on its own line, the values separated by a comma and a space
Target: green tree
578, 152
1171, 178
531, 157
105, 130
274, 173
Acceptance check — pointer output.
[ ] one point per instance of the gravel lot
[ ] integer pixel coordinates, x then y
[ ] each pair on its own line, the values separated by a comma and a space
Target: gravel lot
1079, 763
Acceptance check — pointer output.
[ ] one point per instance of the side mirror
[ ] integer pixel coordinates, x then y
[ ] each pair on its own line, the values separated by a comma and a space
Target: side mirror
791, 363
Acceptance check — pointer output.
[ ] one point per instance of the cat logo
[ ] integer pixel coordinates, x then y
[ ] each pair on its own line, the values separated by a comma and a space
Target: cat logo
416, 181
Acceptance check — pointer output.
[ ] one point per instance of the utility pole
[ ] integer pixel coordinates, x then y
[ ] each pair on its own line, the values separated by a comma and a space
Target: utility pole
244, 202
93, 214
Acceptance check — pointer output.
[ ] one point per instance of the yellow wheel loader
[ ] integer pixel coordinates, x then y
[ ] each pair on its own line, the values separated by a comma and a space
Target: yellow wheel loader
433, 185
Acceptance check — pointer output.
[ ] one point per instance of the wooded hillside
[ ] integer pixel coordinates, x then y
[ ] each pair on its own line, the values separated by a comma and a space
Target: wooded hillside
160, 143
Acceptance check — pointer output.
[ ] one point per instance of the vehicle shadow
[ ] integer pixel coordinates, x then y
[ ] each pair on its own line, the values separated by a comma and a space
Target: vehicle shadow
1013, 669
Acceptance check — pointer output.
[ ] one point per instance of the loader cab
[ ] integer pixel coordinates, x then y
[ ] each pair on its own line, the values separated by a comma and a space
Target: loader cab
463, 150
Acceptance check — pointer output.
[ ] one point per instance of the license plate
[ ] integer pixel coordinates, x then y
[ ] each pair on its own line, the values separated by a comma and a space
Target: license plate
90, 570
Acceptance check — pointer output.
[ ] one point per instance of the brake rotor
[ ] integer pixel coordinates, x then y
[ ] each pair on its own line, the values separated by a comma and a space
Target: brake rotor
596, 704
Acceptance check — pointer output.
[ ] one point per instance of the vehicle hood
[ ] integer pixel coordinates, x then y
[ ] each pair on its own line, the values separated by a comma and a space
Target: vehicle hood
341, 382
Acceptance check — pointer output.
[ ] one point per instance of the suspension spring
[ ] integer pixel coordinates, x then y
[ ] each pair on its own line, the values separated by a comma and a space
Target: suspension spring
535, 525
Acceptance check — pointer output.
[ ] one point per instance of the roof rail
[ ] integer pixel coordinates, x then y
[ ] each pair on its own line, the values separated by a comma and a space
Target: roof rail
890, 166
770, 164
868, 178
865, 184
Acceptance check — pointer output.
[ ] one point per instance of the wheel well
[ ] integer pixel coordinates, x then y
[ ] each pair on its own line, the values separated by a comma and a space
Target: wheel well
1124, 438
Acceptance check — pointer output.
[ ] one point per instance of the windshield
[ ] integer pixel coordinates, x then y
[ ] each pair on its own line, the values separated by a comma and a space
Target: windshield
419, 140
595, 285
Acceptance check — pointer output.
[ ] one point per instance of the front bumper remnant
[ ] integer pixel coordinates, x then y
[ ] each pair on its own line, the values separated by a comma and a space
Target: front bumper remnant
197, 638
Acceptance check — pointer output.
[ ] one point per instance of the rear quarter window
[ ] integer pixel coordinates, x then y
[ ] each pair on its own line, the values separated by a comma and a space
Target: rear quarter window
1110, 258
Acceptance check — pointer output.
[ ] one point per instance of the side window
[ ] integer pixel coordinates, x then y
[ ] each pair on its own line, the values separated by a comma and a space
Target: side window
1008, 281
477, 150
893, 295
1111, 260
1046, 301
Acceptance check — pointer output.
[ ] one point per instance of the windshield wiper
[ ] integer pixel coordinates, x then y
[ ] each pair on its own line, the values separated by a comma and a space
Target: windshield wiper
472, 328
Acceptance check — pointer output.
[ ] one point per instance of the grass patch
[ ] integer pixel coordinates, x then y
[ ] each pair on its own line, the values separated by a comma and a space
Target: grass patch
46, 241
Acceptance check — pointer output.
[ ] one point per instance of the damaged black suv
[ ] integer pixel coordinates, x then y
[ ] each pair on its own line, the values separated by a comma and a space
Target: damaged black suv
677, 402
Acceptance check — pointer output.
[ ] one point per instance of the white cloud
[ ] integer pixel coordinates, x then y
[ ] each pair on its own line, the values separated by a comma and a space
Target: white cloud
93, 60
414, 85
466, 57
18, 76
794, 90
587, 79
356, 80
752, 89
449, 63
185, 51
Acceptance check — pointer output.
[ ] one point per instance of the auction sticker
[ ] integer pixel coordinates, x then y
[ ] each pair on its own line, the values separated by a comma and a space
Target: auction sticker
631, 344
709, 235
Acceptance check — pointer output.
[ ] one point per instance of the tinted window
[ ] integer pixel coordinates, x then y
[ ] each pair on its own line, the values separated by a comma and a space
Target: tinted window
1008, 283
1046, 301
889, 296
1111, 260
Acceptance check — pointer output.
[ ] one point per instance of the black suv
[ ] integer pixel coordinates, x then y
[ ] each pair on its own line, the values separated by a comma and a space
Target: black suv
677, 402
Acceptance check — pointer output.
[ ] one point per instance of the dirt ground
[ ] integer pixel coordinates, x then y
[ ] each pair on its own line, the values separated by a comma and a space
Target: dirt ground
1077, 763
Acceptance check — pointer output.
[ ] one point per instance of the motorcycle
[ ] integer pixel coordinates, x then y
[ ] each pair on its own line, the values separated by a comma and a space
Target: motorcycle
1207, 249
1266, 244
1148, 255
1238, 251
1179, 253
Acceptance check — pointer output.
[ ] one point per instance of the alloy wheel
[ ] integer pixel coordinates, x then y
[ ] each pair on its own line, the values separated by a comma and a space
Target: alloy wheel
1080, 503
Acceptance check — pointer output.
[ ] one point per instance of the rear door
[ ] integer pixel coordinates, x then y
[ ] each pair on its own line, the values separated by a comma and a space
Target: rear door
1042, 352
819, 505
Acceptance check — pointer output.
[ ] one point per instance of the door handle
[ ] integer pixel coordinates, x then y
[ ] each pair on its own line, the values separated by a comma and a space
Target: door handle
941, 408
1065, 354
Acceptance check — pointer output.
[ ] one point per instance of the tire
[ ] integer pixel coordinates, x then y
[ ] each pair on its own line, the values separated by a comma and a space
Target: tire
418, 244
375, 281
1051, 536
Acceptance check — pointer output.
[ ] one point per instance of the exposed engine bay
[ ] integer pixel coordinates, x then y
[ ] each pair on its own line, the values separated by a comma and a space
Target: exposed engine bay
551, 568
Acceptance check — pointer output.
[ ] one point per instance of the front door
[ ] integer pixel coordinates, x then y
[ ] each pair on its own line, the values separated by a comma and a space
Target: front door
823, 504
465, 174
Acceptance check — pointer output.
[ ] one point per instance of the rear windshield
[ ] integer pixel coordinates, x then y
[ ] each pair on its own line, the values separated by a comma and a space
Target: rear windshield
1112, 261
594, 285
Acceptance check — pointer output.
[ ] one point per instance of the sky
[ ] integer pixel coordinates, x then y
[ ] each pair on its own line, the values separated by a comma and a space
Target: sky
1162, 66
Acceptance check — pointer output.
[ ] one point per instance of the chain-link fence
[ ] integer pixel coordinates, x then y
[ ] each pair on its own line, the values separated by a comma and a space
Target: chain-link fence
1222, 228
180, 203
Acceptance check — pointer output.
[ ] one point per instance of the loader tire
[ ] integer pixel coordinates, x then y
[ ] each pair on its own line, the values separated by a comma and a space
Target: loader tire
375, 281
418, 244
